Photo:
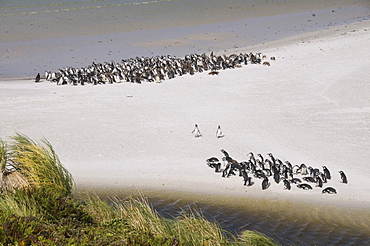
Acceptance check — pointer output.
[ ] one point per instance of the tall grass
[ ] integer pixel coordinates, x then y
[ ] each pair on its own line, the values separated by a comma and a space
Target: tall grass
254, 238
40, 165
3, 156
192, 227
19, 203
138, 216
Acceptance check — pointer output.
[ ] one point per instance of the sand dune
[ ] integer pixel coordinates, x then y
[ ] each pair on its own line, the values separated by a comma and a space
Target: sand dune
310, 106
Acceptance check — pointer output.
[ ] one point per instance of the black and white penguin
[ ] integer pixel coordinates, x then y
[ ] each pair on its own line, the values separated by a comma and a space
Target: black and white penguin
329, 190
295, 181
219, 132
323, 177
37, 79
309, 179
326, 172
247, 180
343, 177
272, 158
213, 162
225, 153
213, 159
303, 169
304, 186
277, 177
225, 172
265, 183
196, 131
286, 184
318, 182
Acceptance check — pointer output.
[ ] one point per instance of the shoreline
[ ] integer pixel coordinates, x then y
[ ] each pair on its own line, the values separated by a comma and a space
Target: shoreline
127, 157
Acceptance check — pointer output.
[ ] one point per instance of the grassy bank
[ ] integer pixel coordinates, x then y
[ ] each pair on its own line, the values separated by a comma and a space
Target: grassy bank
38, 207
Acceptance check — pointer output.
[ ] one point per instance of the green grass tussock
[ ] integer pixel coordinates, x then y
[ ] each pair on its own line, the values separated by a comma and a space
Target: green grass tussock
40, 165
38, 207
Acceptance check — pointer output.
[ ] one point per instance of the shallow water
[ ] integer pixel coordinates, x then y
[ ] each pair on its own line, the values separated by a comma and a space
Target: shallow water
288, 223
48, 35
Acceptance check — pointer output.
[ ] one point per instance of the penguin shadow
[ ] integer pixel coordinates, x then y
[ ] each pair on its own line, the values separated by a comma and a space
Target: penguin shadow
221, 136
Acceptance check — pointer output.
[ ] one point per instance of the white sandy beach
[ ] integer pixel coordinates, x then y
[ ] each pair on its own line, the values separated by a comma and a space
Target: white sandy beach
312, 105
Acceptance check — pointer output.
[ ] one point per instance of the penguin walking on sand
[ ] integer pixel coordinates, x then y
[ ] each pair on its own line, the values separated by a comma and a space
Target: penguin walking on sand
219, 132
196, 132
37, 79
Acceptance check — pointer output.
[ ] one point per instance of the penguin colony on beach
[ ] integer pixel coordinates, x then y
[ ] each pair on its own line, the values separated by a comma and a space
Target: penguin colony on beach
264, 169
149, 69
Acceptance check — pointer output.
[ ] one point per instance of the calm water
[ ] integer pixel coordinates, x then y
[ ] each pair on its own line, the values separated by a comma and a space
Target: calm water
48, 35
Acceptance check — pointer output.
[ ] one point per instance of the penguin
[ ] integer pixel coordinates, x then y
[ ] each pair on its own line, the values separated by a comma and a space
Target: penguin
304, 186
247, 180
267, 164
251, 158
326, 172
261, 159
272, 158
315, 172
318, 182
259, 174
295, 169
219, 132
277, 177
303, 169
265, 183
309, 179
196, 131
329, 190
213, 159
295, 181
216, 166
343, 177
225, 153
213, 162
286, 184
225, 171
323, 177
37, 79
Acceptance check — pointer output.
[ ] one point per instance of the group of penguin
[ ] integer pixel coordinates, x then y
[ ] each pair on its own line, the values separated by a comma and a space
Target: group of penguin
149, 69
265, 168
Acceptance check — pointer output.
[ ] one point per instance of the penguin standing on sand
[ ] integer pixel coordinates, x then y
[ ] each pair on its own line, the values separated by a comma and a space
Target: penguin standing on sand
286, 184
265, 183
196, 132
219, 132
326, 172
343, 177
37, 79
